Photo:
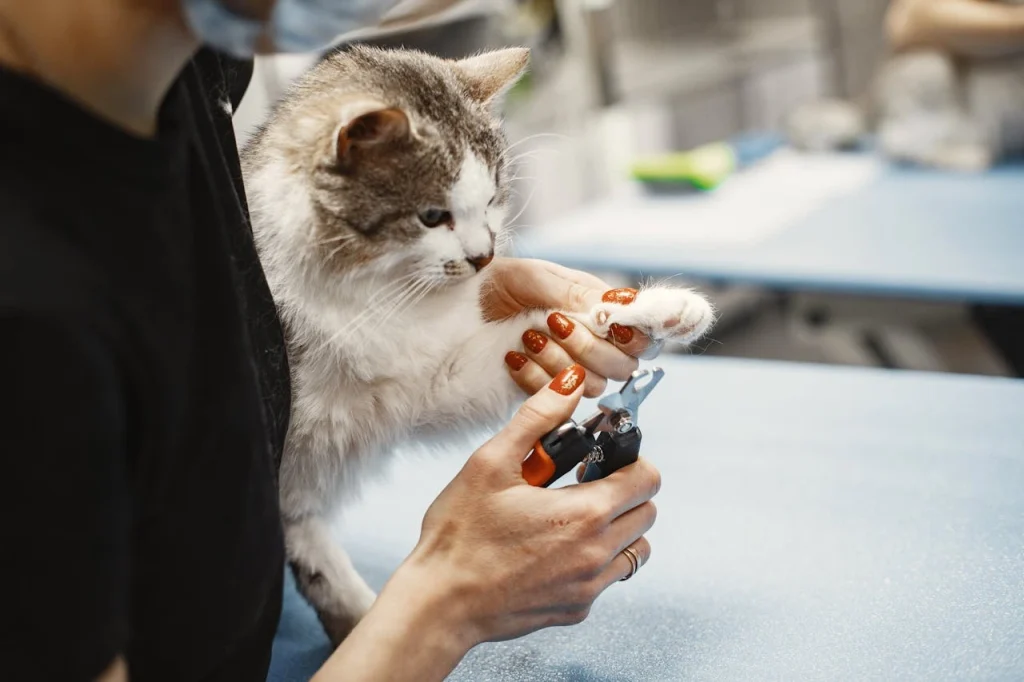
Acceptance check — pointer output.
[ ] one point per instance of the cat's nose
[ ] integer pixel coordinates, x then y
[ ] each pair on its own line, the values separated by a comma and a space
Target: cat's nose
481, 262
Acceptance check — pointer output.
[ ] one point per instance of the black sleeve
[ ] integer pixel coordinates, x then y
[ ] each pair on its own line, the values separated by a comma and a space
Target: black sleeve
64, 511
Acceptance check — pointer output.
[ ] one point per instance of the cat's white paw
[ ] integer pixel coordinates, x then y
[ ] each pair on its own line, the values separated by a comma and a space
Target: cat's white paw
662, 313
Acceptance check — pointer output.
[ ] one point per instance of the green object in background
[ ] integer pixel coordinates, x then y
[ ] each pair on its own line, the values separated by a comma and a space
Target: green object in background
522, 88
704, 167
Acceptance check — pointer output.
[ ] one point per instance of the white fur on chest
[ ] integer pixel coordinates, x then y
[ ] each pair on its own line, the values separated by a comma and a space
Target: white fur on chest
359, 395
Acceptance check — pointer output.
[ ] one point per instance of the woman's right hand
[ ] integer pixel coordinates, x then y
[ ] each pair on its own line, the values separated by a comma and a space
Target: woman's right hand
523, 558
499, 558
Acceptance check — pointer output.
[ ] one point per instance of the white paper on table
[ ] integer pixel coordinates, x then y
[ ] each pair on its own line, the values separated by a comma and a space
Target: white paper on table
748, 208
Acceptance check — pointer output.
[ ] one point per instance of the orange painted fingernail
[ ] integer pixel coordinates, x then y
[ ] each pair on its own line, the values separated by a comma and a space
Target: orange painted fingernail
561, 325
620, 296
568, 380
516, 360
534, 341
622, 334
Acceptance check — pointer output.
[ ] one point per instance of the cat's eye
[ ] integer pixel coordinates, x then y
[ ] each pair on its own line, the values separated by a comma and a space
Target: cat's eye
433, 217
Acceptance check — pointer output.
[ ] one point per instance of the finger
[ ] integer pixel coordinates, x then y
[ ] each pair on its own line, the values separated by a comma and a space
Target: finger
580, 470
553, 358
545, 285
620, 566
591, 283
622, 490
541, 284
633, 343
548, 408
628, 339
587, 349
527, 374
624, 530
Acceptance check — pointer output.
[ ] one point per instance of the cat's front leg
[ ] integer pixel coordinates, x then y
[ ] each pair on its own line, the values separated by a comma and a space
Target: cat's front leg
472, 388
326, 577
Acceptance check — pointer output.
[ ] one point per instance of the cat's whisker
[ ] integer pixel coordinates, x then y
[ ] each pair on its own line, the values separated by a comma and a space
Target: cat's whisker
336, 238
334, 251
507, 233
386, 305
385, 293
413, 295
517, 164
385, 297
516, 160
531, 153
425, 287
342, 240
535, 136
526, 205
383, 301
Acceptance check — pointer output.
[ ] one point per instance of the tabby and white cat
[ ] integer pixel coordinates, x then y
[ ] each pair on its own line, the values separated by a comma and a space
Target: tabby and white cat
928, 108
378, 191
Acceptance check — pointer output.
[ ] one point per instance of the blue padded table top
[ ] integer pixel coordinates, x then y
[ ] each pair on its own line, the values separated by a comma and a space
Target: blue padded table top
907, 233
815, 523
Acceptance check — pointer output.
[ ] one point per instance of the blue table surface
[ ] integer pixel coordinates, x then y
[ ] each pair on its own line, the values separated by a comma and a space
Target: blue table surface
912, 232
815, 523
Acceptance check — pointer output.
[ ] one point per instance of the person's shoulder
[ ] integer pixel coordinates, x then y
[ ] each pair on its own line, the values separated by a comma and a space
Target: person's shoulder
222, 76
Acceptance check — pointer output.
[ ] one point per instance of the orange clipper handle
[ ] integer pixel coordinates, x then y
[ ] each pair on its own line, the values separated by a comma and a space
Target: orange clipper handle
539, 468
556, 454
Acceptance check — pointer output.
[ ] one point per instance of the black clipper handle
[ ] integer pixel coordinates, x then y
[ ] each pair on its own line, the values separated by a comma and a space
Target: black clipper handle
556, 454
618, 450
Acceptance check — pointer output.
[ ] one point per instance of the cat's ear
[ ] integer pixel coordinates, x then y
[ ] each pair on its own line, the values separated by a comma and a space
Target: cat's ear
490, 75
369, 124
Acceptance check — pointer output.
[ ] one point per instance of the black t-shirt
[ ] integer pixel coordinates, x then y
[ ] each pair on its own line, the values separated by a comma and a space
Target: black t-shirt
145, 393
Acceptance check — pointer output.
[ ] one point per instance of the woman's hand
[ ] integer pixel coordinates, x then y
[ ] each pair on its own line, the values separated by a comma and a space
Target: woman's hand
525, 558
519, 284
498, 558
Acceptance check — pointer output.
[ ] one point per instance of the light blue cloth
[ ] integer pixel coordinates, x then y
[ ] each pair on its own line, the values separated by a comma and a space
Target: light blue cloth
815, 523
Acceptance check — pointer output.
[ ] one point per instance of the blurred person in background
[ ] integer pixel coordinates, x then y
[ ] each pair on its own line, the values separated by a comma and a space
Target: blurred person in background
974, 29
146, 387
971, 28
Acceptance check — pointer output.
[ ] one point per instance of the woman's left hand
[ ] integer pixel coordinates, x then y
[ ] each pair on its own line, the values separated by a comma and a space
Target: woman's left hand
518, 284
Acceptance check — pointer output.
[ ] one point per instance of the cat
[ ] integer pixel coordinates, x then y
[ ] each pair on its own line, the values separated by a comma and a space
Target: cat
927, 108
378, 190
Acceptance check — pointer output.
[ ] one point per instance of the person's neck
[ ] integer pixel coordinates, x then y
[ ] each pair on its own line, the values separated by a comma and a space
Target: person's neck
116, 58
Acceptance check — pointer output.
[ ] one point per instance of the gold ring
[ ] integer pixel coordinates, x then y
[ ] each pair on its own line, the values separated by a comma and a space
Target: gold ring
634, 563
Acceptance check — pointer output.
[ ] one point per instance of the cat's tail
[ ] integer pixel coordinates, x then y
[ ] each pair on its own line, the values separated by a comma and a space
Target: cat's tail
826, 125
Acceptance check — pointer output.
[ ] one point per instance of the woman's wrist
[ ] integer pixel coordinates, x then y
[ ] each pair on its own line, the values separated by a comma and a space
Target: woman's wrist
430, 595
416, 630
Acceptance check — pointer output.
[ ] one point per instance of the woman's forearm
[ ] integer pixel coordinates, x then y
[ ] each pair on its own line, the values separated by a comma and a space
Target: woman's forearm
967, 27
413, 633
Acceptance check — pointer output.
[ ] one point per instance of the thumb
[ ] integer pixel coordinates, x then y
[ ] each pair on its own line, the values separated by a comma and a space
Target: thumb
549, 408
540, 284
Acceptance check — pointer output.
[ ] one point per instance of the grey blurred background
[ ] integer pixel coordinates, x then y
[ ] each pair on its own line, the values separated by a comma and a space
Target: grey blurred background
612, 79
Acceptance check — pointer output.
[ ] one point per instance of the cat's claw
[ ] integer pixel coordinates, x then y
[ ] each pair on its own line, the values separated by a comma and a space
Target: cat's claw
664, 314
